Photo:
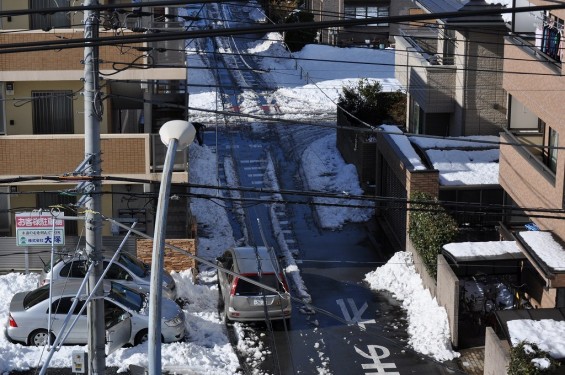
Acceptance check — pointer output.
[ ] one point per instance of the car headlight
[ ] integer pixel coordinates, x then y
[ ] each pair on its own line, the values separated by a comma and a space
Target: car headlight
174, 322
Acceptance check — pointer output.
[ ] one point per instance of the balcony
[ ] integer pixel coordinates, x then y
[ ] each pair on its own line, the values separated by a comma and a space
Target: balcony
431, 84
132, 155
65, 64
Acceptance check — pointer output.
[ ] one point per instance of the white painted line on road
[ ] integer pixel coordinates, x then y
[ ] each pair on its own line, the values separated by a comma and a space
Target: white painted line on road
376, 358
356, 312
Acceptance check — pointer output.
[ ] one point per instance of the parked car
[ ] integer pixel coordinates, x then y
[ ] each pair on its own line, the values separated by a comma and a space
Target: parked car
29, 314
126, 269
244, 301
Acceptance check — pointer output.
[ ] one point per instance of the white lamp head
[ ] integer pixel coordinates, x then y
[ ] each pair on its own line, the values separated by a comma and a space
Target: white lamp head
181, 130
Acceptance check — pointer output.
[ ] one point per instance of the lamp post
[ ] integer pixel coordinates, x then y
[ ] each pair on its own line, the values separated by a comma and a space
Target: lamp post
176, 134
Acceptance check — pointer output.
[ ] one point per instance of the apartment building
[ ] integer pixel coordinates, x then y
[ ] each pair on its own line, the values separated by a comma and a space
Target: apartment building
372, 35
532, 166
42, 111
452, 70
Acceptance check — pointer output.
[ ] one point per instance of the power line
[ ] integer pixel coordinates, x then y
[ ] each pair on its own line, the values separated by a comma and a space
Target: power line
162, 36
401, 203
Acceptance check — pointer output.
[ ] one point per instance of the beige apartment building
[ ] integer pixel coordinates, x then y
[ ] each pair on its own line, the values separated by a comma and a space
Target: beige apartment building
532, 165
42, 112
482, 76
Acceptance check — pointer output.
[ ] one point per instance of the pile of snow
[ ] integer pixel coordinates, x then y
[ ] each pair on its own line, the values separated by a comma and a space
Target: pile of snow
326, 171
427, 321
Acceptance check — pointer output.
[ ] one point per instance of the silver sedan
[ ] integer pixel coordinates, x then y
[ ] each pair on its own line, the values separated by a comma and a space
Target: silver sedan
29, 314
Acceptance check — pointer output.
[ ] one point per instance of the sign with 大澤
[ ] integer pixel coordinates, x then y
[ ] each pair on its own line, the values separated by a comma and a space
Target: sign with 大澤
36, 229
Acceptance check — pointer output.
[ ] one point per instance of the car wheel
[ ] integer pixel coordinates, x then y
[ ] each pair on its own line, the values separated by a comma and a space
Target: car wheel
141, 337
220, 297
39, 338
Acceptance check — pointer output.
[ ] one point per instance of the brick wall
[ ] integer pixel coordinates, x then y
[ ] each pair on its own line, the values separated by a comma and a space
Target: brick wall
62, 153
65, 59
173, 260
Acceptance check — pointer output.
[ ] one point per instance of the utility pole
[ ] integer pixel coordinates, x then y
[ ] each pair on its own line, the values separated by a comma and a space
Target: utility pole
93, 221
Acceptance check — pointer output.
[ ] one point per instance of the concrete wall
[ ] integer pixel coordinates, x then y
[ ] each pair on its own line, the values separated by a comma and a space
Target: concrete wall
14, 257
428, 281
447, 295
497, 354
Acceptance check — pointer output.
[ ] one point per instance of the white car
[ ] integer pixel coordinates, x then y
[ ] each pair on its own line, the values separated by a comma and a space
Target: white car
29, 314
126, 270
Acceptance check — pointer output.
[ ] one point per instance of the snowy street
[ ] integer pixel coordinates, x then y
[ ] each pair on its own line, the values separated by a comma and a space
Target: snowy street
352, 312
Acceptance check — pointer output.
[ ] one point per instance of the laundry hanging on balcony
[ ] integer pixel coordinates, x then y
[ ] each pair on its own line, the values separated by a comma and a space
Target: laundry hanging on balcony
551, 39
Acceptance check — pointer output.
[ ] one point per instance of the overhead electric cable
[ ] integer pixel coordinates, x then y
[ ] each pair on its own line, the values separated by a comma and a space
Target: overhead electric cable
168, 36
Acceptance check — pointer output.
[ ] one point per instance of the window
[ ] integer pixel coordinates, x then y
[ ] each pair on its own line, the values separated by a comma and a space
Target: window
36, 296
449, 47
63, 306
550, 153
52, 112
47, 21
116, 272
76, 268
353, 11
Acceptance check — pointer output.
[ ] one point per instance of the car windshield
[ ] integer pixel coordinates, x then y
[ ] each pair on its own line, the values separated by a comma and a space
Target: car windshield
133, 264
36, 296
47, 266
127, 297
245, 288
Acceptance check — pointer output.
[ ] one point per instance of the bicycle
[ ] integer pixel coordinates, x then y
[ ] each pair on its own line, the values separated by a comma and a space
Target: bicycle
521, 297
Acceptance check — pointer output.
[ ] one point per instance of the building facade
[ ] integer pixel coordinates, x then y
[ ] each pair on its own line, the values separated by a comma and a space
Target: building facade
532, 166
42, 122
452, 71
372, 35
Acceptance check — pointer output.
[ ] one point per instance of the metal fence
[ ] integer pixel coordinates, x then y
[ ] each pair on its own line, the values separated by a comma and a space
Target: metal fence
32, 258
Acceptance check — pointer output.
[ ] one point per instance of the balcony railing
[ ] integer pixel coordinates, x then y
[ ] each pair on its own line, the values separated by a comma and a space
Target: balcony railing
526, 42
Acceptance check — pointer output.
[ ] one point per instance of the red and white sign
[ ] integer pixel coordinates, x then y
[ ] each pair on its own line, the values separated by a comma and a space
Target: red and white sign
36, 229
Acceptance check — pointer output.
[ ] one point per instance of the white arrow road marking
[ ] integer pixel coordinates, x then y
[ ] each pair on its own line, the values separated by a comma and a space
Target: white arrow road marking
356, 312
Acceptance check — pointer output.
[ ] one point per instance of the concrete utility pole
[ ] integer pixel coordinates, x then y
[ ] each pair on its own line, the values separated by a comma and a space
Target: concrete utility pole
93, 221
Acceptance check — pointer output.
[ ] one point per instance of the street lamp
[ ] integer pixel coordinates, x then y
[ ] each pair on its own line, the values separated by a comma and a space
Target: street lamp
176, 134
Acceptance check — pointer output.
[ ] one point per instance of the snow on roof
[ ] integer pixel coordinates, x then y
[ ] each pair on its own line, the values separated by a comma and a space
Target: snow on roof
404, 145
546, 248
548, 334
475, 141
463, 166
490, 250
471, 160
460, 167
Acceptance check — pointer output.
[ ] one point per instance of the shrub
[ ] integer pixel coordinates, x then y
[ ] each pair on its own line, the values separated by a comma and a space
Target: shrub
526, 357
431, 227
368, 103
